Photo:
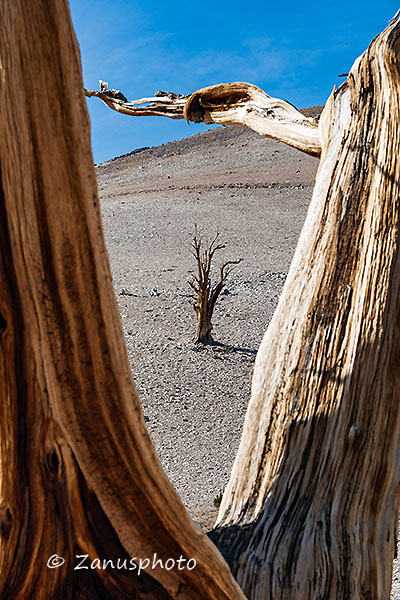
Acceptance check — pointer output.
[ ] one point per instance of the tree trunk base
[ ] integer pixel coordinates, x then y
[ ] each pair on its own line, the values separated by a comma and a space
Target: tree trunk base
206, 340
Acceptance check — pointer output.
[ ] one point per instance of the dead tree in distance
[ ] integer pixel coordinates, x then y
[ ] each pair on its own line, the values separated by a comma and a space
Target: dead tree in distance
206, 293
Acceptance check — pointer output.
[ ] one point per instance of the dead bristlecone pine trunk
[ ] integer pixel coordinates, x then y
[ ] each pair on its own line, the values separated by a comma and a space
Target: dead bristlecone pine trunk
310, 509
206, 294
311, 505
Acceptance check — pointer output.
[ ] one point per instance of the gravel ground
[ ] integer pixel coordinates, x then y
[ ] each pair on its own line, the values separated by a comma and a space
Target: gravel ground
255, 192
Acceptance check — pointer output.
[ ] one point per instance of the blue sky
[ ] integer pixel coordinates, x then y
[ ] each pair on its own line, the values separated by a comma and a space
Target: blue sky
292, 50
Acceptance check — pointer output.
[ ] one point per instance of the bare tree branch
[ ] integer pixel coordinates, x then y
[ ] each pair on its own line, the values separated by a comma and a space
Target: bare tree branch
165, 104
223, 275
227, 104
229, 262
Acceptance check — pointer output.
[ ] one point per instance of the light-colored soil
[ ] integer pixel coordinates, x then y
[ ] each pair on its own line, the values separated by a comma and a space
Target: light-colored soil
255, 192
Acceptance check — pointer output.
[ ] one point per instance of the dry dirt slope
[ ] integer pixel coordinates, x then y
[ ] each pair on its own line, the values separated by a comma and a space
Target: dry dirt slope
255, 192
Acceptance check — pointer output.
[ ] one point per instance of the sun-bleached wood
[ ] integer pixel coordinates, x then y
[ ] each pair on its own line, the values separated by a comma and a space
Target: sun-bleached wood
242, 103
79, 474
311, 505
164, 104
236, 103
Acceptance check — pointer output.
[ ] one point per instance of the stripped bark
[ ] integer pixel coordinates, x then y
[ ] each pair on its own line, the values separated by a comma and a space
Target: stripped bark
311, 505
226, 104
79, 474
162, 104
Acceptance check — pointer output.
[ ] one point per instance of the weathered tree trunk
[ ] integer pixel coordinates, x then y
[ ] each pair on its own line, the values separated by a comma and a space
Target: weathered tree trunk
203, 326
310, 508
311, 505
79, 474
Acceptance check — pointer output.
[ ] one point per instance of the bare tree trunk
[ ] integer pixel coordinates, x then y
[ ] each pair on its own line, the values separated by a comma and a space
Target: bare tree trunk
206, 294
203, 326
79, 474
311, 505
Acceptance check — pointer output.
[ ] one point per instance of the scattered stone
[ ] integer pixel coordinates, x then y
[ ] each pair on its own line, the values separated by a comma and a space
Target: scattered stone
126, 292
